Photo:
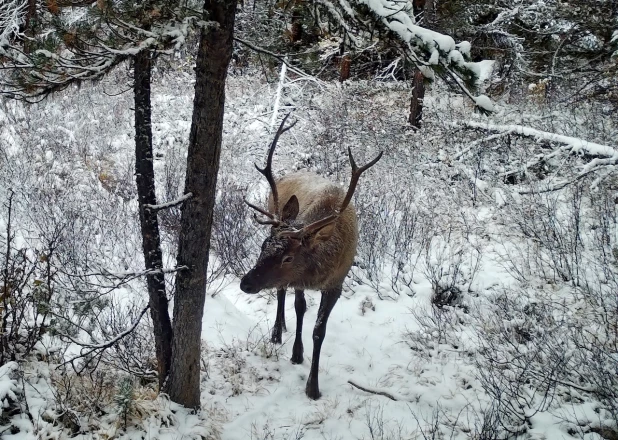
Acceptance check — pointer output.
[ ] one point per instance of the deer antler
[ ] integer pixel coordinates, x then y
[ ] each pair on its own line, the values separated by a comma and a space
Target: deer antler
267, 172
319, 224
356, 173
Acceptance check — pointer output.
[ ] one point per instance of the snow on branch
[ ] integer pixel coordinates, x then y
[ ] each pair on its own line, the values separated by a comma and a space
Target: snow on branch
603, 155
573, 144
34, 68
106, 281
283, 58
169, 204
432, 51
12, 15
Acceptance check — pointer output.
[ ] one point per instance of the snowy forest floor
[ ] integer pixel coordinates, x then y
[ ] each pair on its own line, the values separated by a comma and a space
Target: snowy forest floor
484, 308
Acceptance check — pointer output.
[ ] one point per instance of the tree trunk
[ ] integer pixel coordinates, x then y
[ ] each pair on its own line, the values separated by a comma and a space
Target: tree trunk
214, 54
425, 12
151, 243
416, 102
431, 13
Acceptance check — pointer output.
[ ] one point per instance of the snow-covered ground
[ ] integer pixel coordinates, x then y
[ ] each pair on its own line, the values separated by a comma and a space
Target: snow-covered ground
460, 292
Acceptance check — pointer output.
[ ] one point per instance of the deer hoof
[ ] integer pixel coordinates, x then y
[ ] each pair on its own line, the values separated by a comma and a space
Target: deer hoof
312, 391
296, 358
276, 337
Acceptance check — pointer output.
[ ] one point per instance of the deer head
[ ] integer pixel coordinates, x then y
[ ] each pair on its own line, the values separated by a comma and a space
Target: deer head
288, 256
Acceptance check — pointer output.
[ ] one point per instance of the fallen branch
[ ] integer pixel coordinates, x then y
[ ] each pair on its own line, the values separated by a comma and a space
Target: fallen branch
479, 141
576, 145
374, 391
604, 155
560, 185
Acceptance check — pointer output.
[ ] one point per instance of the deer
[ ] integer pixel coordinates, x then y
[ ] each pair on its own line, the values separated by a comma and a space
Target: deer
312, 244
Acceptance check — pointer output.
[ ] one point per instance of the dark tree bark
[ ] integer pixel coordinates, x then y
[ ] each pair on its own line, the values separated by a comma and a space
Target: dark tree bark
416, 102
214, 54
151, 242
344, 71
424, 11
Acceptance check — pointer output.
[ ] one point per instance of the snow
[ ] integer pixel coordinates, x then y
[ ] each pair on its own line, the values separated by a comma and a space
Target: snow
170, 204
383, 334
8, 383
576, 145
484, 102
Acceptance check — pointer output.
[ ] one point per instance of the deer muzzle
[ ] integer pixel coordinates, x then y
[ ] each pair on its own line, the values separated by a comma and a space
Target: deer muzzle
248, 283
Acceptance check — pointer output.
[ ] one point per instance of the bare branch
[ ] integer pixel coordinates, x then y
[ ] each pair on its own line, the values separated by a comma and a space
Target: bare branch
171, 204
373, 391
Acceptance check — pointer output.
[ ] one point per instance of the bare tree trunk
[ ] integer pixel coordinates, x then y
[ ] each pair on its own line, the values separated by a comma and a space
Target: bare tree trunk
214, 54
425, 12
151, 242
344, 71
431, 13
416, 102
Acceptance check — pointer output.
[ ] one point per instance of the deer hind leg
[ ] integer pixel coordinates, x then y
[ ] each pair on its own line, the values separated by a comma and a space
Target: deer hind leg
300, 305
279, 327
329, 299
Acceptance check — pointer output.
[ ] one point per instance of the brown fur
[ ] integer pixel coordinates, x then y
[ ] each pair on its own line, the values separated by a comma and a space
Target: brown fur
318, 198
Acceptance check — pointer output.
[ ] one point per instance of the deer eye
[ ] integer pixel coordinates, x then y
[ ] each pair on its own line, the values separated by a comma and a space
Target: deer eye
287, 259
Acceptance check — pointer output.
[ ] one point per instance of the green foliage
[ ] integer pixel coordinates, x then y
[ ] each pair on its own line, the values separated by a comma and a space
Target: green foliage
124, 398
61, 45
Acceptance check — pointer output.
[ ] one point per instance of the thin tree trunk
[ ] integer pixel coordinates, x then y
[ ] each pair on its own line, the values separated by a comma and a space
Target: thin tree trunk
151, 242
416, 102
431, 13
214, 54
424, 11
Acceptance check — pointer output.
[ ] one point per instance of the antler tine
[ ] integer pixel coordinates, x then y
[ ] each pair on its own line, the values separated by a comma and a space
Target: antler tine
315, 226
266, 222
267, 171
356, 173
319, 224
272, 221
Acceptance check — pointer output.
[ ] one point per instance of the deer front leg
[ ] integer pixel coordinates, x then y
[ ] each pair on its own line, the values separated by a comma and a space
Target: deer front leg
329, 299
279, 327
300, 305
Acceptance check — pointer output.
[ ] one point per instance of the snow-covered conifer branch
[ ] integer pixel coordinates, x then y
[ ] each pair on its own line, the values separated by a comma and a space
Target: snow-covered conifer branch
33, 70
12, 15
431, 51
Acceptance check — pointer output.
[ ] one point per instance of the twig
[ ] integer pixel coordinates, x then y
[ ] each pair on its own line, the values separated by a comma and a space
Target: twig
372, 391
282, 58
92, 348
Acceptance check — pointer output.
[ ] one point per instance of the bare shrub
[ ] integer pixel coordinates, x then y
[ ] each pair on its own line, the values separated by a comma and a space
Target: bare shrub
450, 263
523, 356
234, 237
381, 427
27, 289
374, 223
552, 227
133, 354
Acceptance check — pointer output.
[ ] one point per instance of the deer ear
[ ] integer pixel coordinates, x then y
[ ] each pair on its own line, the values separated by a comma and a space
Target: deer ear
290, 210
323, 234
